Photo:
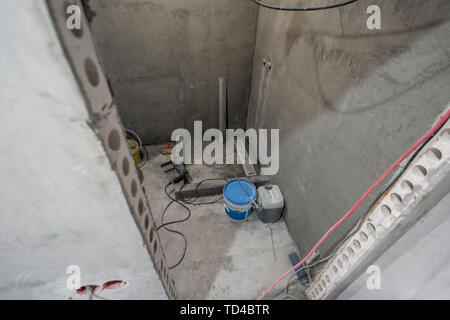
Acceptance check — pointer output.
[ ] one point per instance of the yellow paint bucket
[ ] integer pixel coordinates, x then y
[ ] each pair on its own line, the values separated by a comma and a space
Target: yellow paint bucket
134, 150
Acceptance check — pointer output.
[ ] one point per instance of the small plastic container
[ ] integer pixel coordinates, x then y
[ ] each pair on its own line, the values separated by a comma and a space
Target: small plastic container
271, 203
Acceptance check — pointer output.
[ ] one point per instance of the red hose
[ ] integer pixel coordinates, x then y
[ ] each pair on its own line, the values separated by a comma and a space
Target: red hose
429, 134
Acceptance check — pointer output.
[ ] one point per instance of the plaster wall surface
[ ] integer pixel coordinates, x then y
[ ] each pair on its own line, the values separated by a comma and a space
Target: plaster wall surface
164, 60
348, 101
416, 266
60, 202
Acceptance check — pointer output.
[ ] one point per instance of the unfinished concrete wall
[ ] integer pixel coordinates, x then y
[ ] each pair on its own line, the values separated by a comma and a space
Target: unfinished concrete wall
61, 203
348, 100
164, 59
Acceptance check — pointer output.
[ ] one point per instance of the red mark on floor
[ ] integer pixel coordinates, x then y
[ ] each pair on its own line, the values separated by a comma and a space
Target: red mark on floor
114, 285
109, 285
86, 289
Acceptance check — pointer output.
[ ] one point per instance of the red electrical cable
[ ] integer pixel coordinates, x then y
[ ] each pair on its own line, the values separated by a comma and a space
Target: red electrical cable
430, 133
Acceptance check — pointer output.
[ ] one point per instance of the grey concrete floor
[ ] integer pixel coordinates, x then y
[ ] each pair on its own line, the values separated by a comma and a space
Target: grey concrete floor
224, 259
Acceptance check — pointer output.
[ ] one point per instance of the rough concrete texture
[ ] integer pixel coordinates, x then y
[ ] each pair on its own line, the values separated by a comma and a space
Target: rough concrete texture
164, 59
423, 252
60, 202
224, 259
348, 100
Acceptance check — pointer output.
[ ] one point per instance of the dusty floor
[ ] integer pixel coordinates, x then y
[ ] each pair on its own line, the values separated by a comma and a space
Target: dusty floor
224, 259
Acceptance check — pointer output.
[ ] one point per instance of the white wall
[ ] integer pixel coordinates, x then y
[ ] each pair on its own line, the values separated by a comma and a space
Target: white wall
60, 202
417, 265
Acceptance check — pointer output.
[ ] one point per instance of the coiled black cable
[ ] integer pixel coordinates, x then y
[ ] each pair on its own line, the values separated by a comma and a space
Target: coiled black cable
164, 225
183, 203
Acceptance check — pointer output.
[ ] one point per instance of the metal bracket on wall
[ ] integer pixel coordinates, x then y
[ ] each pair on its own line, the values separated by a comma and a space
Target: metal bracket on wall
420, 187
105, 120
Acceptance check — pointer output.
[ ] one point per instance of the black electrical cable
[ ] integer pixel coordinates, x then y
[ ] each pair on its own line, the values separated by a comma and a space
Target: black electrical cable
385, 190
392, 183
182, 203
372, 205
191, 201
164, 225
337, 5
167, 207
144, 157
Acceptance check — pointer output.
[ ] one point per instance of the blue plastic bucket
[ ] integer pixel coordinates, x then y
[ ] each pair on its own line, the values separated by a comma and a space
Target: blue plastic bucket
238, 202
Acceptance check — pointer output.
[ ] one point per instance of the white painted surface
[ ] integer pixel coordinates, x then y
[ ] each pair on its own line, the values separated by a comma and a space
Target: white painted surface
416, 266
60, 202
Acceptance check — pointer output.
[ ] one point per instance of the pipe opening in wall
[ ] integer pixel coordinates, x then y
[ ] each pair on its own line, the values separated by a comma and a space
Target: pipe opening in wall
420, 171
351, 252
407, 186
114, 140
91, 72
385, 210
363, 236
151, 235
396, 198
125, 166
445, 136
434, 154
345, 258
133, 188
371, 228
146, 222
335, 269
155, 246
140, 207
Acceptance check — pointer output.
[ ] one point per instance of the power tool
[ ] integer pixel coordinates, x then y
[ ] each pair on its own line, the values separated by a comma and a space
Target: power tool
183, 173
